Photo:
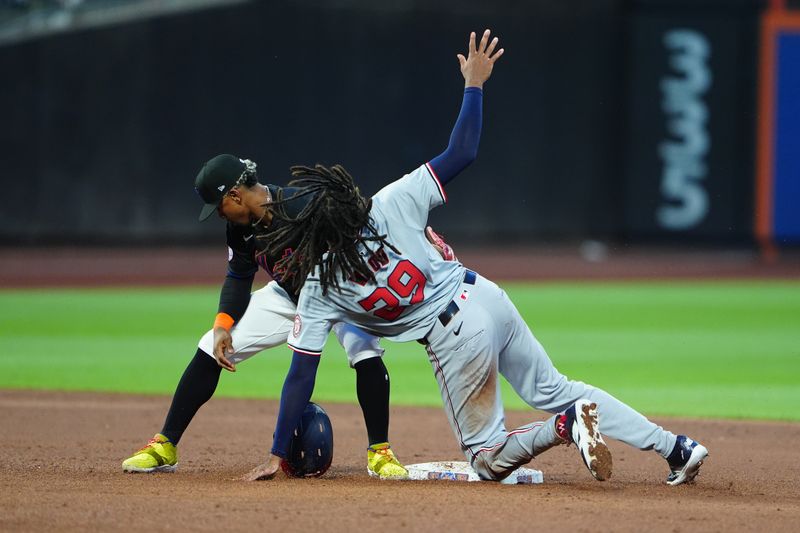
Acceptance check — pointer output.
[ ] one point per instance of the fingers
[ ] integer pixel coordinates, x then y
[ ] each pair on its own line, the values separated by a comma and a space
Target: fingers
261, 476
484, 47
461, 60
223, 346
497, 55
224, 363
218, 353
484, 41
492, 44
222, 359
264, 471
229, 351
260, 473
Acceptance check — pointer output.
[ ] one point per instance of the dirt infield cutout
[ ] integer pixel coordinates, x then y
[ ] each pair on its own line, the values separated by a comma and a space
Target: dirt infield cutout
60, 471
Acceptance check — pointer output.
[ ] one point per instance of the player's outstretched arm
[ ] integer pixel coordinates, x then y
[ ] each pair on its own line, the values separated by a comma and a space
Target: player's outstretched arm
462, 150
297, 389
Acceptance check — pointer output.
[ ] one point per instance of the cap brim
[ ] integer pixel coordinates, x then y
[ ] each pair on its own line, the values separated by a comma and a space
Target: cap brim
207, 211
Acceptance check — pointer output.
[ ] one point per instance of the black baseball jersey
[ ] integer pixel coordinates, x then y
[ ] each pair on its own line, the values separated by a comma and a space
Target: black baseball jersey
246, 253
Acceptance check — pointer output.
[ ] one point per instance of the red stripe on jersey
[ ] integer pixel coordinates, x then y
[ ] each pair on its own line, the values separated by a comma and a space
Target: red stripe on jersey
438, 182
304, 352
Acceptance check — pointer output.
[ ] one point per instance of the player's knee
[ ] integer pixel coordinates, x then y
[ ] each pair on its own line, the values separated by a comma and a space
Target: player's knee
206, 343
201, 350
204, 358
359, 359
371, 366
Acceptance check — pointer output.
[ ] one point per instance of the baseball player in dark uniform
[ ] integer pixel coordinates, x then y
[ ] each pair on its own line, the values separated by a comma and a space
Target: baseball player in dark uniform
249, 323
375, 270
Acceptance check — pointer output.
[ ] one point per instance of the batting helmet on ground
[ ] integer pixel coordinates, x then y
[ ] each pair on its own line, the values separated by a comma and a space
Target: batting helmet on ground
311, 449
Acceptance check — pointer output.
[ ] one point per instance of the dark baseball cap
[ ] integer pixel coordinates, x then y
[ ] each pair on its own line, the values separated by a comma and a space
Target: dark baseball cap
218, 176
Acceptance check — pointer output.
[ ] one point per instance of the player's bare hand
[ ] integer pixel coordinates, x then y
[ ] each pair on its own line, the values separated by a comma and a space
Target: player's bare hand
223, 347
265, 470
477, 66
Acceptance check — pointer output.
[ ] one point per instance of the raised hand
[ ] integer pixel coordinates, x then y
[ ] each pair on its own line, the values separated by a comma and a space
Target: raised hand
477, 66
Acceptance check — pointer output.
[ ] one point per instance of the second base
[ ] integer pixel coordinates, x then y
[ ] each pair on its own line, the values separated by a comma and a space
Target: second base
461, 471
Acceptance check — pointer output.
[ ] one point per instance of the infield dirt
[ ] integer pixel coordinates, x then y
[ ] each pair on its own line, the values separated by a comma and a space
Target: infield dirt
61, 454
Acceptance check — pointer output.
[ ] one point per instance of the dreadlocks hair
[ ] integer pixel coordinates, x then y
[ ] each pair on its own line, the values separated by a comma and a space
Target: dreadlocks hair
335, 221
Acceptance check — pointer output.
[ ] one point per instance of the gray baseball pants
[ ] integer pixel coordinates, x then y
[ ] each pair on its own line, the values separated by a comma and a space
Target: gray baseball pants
488, 336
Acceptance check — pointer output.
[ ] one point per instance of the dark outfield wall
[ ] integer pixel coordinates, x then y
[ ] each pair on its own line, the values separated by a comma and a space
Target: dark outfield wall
103, 130
691, 92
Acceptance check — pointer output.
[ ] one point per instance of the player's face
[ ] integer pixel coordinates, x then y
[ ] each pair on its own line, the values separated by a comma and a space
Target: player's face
244, 205
232, 208
256, 199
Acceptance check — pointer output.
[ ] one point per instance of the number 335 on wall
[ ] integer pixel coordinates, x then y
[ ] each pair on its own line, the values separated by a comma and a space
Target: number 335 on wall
684, 156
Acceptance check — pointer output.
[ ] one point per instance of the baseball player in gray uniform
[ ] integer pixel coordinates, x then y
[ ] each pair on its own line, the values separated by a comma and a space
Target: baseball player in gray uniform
366, 262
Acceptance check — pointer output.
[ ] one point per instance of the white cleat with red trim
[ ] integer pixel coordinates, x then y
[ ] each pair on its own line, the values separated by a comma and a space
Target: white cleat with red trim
580, 424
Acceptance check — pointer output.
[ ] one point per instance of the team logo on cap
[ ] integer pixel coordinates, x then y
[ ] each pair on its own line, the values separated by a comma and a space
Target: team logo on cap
298, 324
221, 188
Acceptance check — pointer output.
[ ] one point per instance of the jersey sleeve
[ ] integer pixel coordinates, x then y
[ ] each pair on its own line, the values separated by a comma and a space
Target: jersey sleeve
242, 267
241, 252
312, 323
463, 146
409, 199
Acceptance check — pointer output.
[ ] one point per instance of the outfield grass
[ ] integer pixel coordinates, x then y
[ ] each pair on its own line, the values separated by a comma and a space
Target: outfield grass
697, 349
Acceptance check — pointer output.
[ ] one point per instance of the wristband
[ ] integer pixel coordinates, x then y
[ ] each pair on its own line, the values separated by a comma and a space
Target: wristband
224, 321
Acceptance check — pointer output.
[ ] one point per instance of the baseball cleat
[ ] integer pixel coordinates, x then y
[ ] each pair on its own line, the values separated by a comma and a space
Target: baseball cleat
159, 455
579, 424
685, 460
382, 463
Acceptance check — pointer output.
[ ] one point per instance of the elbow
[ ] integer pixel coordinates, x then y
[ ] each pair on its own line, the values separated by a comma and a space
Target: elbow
468, 157
468, 151
472, 155
465, 155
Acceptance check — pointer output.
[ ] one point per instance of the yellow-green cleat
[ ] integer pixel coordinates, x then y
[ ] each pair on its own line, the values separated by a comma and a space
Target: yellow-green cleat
160, 455
382, 463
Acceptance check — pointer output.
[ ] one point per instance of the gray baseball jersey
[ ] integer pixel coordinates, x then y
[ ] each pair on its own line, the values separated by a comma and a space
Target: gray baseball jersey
410, 288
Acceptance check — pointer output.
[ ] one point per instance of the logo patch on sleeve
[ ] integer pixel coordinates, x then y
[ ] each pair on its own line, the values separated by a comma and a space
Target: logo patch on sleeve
298, 325
230, 254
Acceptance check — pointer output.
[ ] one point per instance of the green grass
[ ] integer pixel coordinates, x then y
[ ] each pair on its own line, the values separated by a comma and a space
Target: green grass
699, 349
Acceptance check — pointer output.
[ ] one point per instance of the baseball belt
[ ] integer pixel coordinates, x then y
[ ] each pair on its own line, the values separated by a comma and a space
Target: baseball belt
452, 308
